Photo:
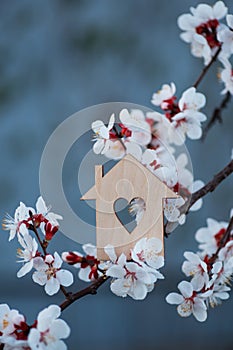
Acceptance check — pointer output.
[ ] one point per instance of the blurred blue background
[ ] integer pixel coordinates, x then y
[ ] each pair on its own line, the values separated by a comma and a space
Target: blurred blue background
57, 57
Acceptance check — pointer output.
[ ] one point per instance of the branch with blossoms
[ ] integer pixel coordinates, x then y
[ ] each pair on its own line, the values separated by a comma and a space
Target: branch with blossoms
210, 269
141, 272
153, 139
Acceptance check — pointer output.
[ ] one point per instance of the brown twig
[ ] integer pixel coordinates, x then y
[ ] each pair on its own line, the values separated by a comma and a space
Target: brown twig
119, 137
217, 115
211, 185
206, 68
34, 229
91, 289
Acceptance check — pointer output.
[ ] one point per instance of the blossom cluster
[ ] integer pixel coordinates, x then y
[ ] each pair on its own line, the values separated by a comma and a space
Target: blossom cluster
139, 272
137, 132
134, 277
210, 270
48, 272
208, 37
46, 332
151, 136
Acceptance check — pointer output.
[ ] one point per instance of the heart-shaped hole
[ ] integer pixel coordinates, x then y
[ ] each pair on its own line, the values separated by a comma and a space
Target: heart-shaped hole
129, 213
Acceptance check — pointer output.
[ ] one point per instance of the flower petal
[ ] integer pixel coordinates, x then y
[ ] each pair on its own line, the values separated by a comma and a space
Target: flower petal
186, 289
199, 310
174, 298
120, 287
25, 269
185, 309
52, 286
65, 277
110, 251
116, 271
60, 329
39, 277
138, 291
89, 249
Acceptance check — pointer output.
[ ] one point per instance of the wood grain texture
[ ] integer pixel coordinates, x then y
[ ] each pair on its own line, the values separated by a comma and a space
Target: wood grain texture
127, 179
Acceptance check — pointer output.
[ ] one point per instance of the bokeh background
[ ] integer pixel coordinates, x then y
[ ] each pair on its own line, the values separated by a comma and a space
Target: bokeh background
57, 57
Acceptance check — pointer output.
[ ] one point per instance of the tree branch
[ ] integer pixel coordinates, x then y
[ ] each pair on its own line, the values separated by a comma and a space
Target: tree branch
34, 229
206, 68
211, 185
91, 289
217, 115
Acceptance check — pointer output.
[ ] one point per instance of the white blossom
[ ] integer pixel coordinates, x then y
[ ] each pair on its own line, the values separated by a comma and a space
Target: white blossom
165, 93
44, 210
130, 279
225, 36
222, 271
102, 135
201, 29
165, 172
171, 209
50, 275
220, 292
12, 343
163, 134
49, 330
188, 120
119, 148
135, 121
196, 268
210, 236
9, 320
147, 253
17, 224
189, 301
226, 77
137, 207
27, 254
115, 150
226, 252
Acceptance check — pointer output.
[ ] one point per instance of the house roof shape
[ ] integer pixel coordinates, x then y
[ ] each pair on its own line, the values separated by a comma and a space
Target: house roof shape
120, 172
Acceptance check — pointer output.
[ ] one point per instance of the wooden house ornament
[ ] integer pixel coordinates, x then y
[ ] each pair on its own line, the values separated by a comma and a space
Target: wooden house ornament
128, 179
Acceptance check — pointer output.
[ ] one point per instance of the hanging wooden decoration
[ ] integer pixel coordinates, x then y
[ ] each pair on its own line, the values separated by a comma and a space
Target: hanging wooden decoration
128, 179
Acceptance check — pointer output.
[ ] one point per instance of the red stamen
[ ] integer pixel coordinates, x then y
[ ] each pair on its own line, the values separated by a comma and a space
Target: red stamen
209, 31
112, 135
125, 131
171, 107
154, 165
218, 237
